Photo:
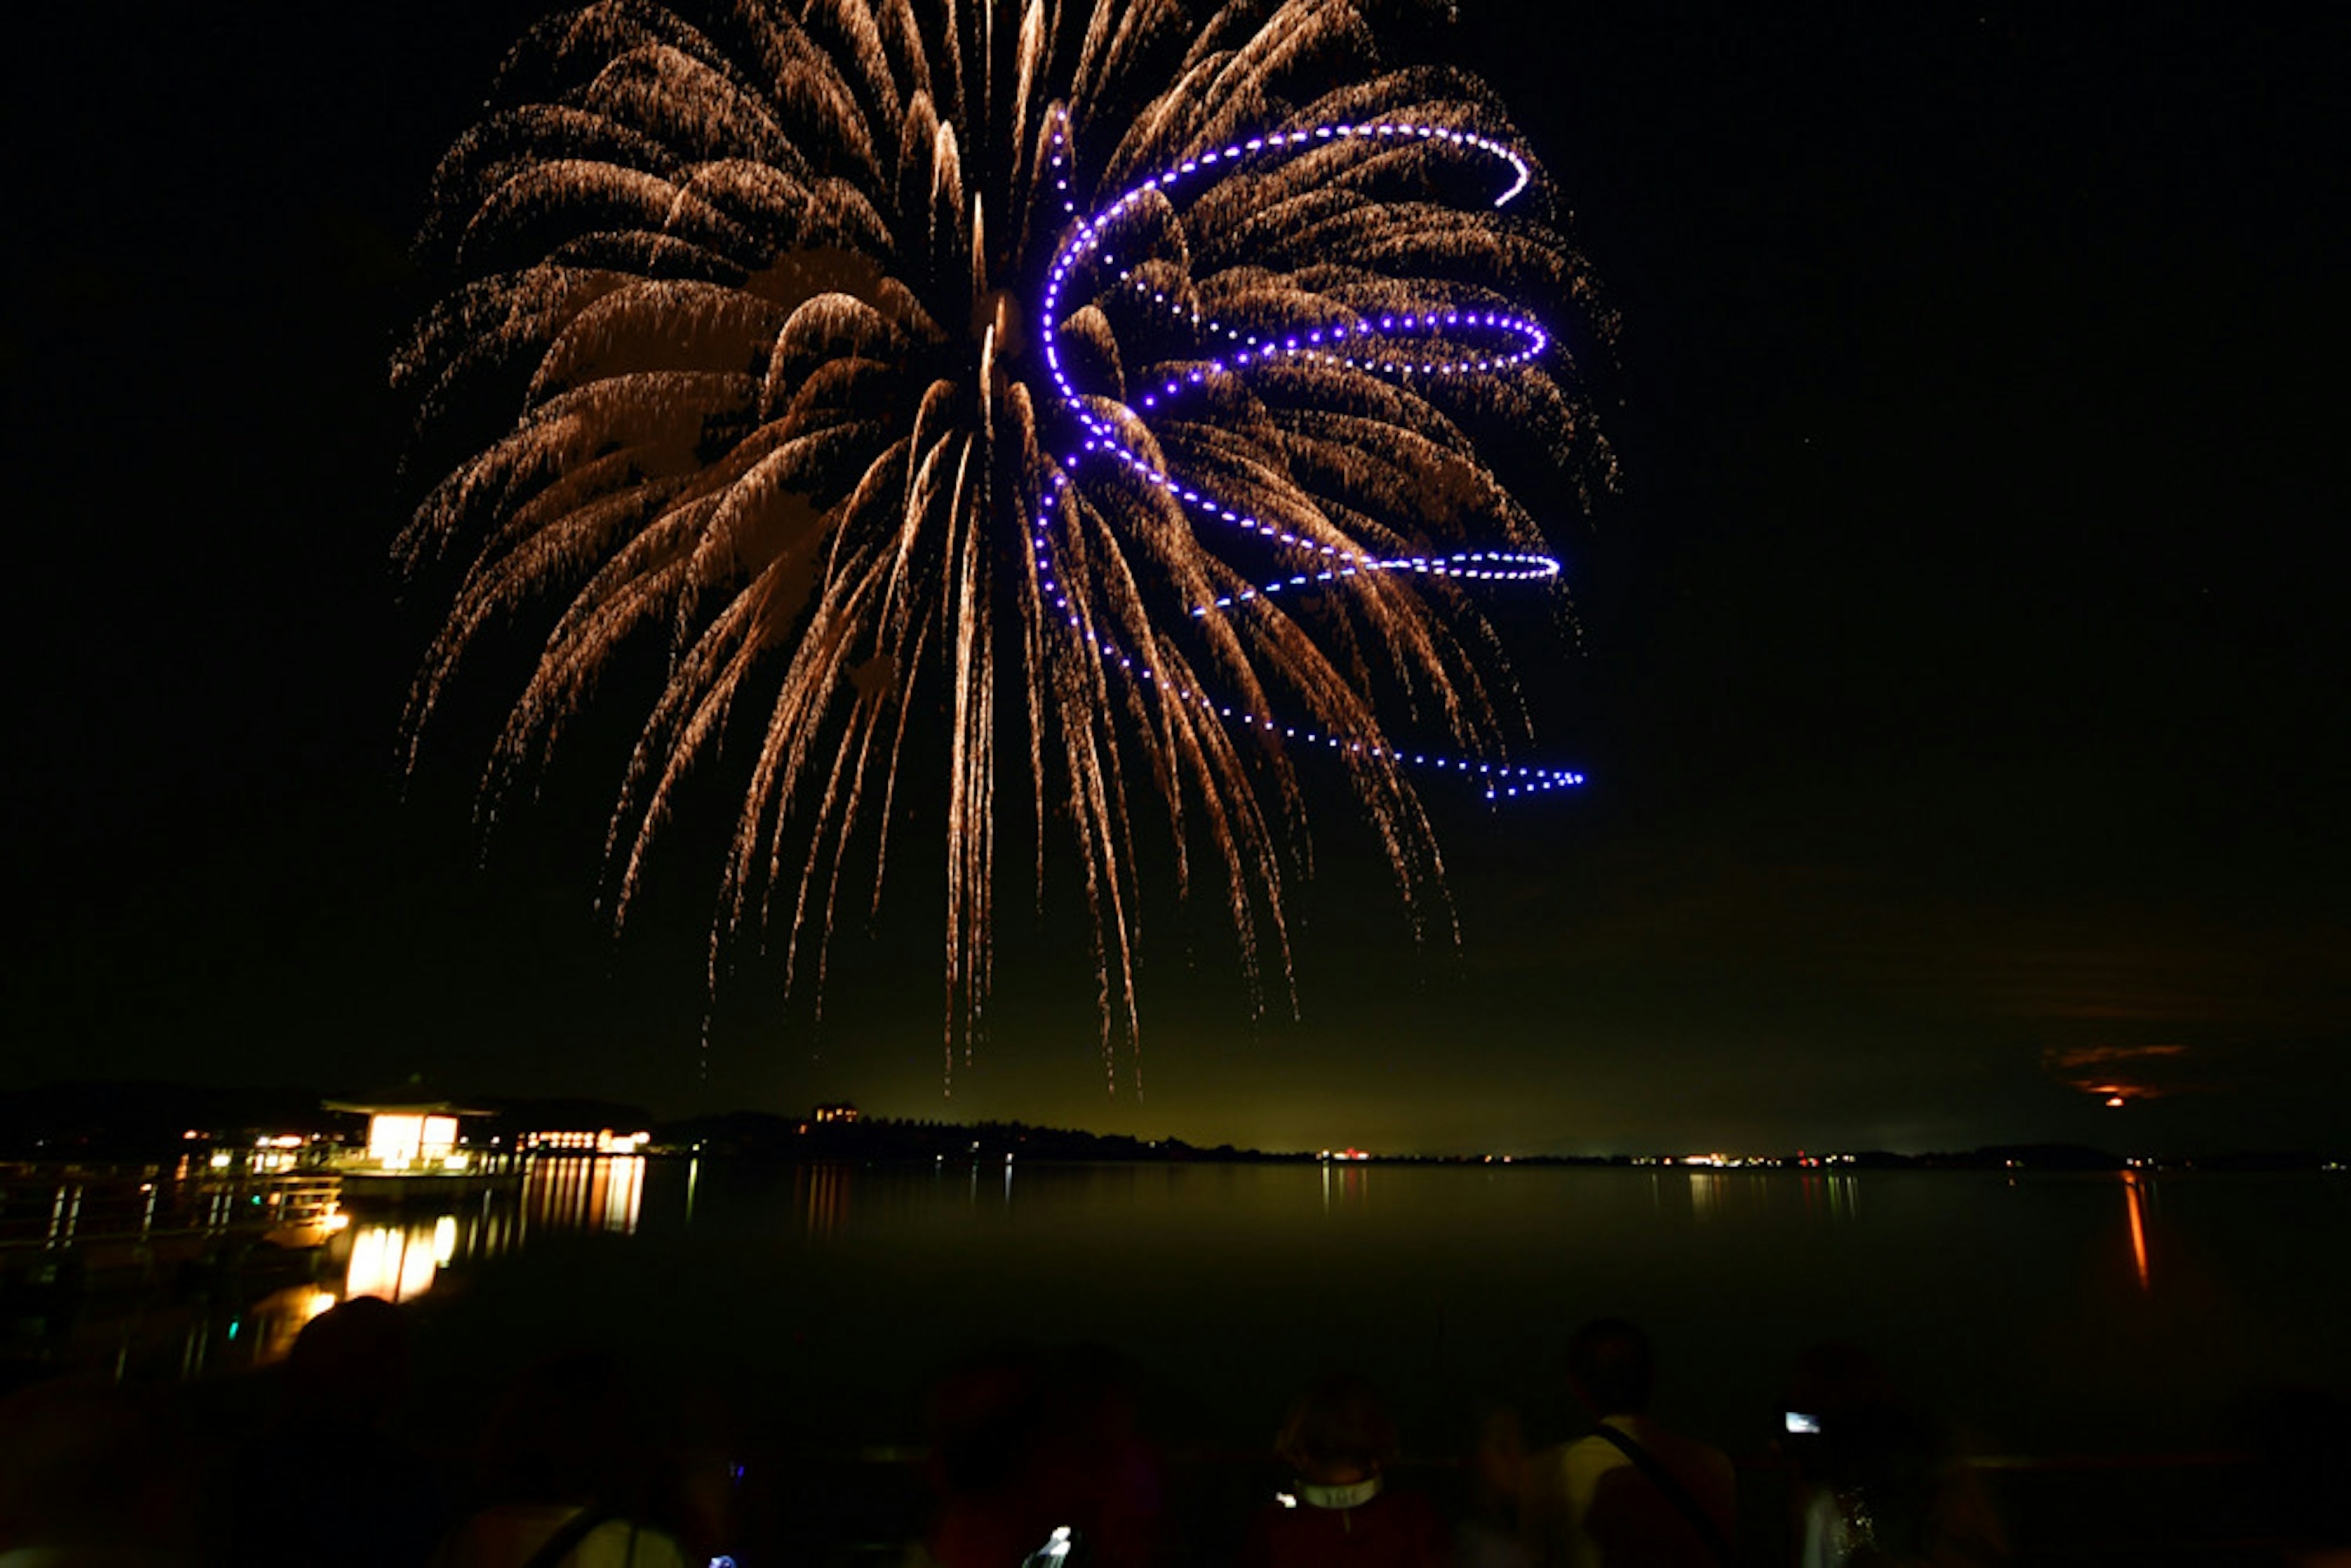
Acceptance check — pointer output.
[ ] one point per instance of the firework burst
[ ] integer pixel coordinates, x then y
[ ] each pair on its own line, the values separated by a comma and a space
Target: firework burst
1075, 404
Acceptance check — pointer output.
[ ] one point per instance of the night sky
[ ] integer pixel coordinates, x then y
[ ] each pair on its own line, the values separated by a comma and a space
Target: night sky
1959, 669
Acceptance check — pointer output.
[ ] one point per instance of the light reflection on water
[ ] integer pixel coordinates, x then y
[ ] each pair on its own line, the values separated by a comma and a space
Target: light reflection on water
820, 1193
278, 1317
1704, 1195
398, 1261
2135, 1202
2102, 1305
602, 1192
1835, 1199
2097, 1310
400, 1256
1353, 1187
242, 1234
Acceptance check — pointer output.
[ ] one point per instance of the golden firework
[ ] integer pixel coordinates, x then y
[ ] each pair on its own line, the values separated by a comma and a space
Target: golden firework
764, 279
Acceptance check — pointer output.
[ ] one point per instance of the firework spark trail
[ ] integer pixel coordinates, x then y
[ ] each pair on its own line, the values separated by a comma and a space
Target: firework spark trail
1337, 563
786, 292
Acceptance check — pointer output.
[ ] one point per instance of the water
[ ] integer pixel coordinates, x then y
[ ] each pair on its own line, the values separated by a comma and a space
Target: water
2049, 1315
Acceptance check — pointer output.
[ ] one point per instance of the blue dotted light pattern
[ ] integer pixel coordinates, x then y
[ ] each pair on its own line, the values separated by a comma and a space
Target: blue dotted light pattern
1368, 344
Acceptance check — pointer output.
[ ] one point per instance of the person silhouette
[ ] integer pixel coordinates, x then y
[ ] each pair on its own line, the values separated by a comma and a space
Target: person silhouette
329, 1458
1339, 1441
1634, 1494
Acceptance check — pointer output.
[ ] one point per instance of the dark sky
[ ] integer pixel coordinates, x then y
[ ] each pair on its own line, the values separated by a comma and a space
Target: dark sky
1960, 672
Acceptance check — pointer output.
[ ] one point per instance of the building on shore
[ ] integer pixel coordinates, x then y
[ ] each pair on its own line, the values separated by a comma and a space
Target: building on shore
417, 1148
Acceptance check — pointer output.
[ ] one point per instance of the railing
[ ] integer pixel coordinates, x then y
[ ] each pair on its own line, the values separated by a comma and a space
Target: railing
455, 1163
60, 1207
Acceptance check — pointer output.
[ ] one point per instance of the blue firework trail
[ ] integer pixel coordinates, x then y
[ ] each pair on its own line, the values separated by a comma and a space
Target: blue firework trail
1076, 408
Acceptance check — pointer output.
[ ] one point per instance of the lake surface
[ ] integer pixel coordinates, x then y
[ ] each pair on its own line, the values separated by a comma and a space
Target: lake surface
2049, 1315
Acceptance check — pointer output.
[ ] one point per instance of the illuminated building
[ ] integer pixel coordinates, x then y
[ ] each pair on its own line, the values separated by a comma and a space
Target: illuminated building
416, 1148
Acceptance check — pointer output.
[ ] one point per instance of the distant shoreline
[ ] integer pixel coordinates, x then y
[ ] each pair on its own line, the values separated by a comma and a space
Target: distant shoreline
100, 1122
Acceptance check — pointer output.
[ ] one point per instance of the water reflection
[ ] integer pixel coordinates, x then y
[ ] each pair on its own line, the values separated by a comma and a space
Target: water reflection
1836, 1198
821, 1196
397, 1255
1704, 1195
278, 1317
585, 1192
2135, 1203
1353, 1185
398, 1261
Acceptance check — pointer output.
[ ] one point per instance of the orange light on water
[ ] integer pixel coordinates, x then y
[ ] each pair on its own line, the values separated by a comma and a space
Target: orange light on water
2133, 1199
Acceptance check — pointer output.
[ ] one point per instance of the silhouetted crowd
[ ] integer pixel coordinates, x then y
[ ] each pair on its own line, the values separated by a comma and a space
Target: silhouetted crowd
1032, 1459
